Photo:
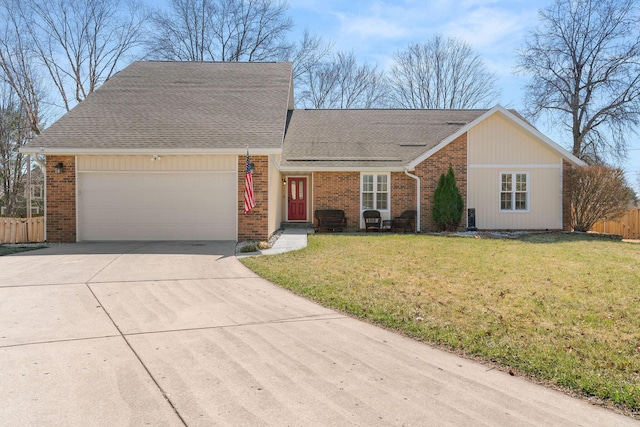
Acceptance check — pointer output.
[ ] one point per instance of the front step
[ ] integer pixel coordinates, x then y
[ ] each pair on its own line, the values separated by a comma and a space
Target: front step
287, 224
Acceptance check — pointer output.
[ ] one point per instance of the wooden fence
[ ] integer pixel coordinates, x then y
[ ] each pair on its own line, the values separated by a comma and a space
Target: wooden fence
22, 230
628, 226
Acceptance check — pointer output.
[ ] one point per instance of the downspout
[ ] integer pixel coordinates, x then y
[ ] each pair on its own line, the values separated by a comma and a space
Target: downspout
417, 178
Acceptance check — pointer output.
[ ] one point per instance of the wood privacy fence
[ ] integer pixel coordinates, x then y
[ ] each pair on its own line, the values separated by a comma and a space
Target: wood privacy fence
628, 226
22, 230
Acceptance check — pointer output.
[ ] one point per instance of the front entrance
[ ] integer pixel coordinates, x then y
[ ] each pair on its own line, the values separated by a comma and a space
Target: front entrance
297, 199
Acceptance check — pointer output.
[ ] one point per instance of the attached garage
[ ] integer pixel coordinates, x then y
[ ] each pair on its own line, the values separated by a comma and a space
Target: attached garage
157, 197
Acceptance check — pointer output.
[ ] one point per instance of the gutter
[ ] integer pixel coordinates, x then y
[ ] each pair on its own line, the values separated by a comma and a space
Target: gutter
417, 178
34, 149
272, 157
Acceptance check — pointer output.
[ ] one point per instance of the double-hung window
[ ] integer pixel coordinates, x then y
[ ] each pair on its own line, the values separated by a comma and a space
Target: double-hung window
375, 191
514, 191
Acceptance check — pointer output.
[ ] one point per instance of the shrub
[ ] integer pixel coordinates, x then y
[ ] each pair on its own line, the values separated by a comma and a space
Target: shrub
249, 248
448, 205
597, 193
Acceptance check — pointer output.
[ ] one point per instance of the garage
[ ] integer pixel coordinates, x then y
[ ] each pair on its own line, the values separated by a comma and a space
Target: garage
156, 198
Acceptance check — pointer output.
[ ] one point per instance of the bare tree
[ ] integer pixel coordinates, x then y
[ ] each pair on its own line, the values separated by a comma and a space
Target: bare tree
14, 133
17, 66
343, 83
597, 193
221, 30
441, 73
306, 55
585, 73
80, 43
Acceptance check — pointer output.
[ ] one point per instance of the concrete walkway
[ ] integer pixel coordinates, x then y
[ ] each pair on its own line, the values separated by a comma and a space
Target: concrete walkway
291, 239
181, 333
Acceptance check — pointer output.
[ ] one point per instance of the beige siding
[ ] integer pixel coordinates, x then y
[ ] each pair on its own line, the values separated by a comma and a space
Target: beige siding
499, 146
545, 200
497, 140
164, 164
275, 196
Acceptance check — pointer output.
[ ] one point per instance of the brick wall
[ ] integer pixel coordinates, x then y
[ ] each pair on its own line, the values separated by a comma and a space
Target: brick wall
403, 193
61, 200
255, 225
429, 171
566, 196
338, 190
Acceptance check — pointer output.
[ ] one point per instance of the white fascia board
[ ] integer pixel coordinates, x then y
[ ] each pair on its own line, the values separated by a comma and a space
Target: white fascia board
509, 115
147, 151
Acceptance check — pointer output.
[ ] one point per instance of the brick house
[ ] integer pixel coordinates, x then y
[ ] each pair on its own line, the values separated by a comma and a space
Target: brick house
159, 152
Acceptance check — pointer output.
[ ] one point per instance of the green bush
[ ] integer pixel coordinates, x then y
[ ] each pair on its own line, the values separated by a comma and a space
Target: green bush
448, 205
249, 248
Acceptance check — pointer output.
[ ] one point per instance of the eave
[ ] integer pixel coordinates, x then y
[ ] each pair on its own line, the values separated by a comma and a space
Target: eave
46, 151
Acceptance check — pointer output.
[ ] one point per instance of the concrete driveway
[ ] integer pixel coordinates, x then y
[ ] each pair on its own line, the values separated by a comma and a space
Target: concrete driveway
182, 334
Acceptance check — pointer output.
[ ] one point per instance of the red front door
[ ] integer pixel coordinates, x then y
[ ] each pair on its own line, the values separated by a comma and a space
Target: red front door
297, 199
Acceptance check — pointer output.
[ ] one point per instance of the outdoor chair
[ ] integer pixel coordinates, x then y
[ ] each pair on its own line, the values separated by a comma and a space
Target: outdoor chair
372, 220
405, 220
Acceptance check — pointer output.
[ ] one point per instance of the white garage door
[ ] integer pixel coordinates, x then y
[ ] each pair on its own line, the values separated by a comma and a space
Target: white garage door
157, 206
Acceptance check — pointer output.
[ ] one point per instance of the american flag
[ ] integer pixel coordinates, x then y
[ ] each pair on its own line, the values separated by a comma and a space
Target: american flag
249, 200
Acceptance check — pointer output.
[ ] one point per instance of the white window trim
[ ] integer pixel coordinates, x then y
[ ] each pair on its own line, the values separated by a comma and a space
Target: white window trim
375, 174
513, 191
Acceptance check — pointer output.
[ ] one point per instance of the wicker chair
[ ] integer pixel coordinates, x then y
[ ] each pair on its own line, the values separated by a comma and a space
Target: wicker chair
405, 220
372, 220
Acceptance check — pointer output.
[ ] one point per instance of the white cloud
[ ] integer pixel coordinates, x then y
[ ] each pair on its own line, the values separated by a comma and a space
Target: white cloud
491, 28
368, 27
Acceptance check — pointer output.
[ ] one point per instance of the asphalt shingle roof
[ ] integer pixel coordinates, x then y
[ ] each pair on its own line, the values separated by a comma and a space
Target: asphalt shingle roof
179, 105
367, 138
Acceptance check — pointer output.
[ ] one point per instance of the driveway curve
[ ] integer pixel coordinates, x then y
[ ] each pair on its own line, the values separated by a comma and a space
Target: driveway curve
180, 333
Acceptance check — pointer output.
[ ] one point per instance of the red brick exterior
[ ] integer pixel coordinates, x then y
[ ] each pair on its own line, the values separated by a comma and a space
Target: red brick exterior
429, 171
338, 190
341, 190
566, 196
61, 200
403, 193
254, 225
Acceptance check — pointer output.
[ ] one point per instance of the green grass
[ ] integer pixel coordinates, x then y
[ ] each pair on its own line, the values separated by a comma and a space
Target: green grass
8, 250
564, 309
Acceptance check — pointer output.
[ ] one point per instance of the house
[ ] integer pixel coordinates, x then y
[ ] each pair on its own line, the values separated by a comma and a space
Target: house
36, 190
159, 153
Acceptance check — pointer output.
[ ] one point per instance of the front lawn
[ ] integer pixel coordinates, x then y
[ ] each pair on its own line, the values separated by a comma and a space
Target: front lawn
564, 309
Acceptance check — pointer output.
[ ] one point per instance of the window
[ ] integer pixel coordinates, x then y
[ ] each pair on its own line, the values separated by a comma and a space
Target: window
375, 191
36, 192
514, 192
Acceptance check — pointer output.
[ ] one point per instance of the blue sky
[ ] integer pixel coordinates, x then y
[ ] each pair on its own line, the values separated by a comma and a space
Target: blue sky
374, 30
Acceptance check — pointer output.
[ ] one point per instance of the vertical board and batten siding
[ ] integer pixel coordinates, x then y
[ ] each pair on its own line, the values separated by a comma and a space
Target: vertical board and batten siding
172, 198
497, 145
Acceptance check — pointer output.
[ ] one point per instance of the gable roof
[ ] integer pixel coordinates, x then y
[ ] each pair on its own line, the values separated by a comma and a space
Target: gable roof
383, 139
181, 107
376, 139
514, 117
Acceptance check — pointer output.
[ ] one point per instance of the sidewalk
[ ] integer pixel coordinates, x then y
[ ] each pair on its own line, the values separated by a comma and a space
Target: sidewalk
291, 239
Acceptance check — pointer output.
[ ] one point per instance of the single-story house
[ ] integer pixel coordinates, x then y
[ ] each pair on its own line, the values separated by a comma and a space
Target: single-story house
159, 153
